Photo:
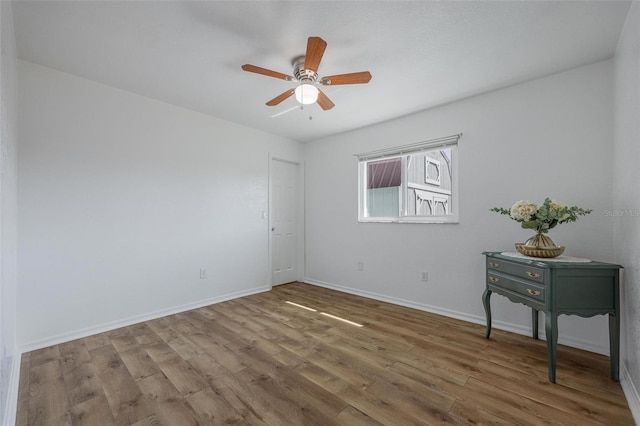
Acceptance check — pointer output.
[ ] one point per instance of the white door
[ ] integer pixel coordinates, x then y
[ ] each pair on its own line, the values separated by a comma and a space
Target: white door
284, 222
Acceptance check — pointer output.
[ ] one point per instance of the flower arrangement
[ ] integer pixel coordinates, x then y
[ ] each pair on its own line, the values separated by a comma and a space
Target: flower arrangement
543, 217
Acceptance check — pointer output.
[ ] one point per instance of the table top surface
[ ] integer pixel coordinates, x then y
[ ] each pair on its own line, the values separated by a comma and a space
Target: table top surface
553, 264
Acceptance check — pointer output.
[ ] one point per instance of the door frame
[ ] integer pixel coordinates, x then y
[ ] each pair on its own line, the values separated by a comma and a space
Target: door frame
300, 255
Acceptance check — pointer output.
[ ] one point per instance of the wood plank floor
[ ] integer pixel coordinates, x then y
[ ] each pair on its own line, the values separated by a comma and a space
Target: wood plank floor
262, 361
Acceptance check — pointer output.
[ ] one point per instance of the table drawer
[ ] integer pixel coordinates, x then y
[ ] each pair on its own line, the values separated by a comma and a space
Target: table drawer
524, 271
525, 288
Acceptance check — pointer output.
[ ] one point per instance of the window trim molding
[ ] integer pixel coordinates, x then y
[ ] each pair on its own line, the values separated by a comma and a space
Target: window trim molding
411, 148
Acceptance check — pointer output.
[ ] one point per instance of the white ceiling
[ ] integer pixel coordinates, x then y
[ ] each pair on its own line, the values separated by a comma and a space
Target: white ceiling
421, 53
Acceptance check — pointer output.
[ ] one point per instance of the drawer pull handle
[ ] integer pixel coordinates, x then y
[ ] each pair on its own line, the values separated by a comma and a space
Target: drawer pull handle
494, 279
494, 264
534, 292
533, 274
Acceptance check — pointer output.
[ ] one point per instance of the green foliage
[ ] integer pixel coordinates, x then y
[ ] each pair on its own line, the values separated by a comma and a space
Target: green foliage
501, 210
544, 217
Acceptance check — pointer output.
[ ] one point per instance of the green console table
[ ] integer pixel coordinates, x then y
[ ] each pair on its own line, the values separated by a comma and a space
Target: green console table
585, 289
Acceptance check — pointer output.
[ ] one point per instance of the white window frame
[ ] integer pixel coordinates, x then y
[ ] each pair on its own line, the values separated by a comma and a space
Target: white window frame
402, 152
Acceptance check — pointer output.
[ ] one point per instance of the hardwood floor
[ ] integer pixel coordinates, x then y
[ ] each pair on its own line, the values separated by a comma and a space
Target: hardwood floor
262, 361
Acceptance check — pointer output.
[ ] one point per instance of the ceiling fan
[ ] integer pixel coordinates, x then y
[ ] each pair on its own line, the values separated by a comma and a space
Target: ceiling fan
305, 72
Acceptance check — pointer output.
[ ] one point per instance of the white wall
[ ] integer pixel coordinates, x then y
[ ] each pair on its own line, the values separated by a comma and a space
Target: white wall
626, 197
123, 199
548, 137
9, 355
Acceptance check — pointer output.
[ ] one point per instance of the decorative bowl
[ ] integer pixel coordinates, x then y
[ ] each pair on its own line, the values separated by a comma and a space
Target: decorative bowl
548, 252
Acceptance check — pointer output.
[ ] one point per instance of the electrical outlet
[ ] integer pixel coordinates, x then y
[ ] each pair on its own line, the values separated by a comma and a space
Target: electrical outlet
360, 266
203, 273
424, 276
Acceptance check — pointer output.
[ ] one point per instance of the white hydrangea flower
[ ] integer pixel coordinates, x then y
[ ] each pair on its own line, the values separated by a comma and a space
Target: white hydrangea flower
523, 210
554, 205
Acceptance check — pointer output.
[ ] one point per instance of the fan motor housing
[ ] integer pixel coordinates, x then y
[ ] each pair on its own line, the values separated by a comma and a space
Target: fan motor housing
300, 73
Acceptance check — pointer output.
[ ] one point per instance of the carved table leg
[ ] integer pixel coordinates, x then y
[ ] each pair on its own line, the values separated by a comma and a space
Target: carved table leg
487, 309
551, 329
534, 323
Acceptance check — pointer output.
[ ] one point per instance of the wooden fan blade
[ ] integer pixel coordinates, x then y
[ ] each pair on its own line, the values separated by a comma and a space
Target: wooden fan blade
281, 97
268, 73
315, 50
324, 102
352, 78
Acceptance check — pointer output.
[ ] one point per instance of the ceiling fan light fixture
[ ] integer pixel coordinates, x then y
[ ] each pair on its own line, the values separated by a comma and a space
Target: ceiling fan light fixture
306, 93
305, 70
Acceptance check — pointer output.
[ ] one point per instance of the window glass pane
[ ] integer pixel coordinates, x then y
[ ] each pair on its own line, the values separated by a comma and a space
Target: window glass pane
429, 183
384, 173
384, 178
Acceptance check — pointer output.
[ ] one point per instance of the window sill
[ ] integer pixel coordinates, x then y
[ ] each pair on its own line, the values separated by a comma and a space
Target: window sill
408, 220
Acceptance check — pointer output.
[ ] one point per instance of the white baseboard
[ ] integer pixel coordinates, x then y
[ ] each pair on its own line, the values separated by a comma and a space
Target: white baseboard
89, 331
9, 418
630, 390
476, 319
402, 302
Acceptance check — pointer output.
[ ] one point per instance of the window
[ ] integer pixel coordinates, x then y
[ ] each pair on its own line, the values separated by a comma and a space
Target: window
414, 183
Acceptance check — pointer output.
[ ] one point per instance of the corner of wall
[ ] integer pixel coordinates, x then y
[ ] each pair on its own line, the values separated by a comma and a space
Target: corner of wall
11, 406
626, 199
630, 392
9, 355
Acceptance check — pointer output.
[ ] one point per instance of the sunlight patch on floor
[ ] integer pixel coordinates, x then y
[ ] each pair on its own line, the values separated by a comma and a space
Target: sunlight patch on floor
300, 306
323, 313
341, 319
